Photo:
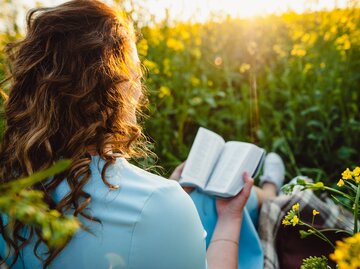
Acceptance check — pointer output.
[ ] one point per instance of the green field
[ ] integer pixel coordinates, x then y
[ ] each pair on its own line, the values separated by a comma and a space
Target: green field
289, 83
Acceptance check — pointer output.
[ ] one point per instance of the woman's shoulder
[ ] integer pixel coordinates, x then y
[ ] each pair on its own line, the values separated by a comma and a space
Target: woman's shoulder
125, 174
136, 186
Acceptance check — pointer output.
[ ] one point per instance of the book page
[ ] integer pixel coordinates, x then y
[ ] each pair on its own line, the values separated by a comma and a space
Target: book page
236, 158
202, 158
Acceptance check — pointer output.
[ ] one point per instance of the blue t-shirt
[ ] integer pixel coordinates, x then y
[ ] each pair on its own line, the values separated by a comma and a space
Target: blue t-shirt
148, 223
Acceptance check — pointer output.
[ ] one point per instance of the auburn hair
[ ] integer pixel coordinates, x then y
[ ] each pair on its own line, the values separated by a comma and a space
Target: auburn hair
72, 81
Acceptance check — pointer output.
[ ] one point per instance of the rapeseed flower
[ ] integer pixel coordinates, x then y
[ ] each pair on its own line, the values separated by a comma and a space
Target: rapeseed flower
195, 81
295, 220
307, 68
346, 174
142, 47
298, 50
315, 212
286, 222
151, 66
340, 183
175, 45
343, 43
164, 91
347, 253
295, 207
356, 171
292, 217
244, 67
350, 175
279, 50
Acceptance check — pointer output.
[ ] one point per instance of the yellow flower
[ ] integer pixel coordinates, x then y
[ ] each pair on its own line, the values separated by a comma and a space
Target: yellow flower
184, 34
195, 81
322, 65
294, 220
297, 34
337, 255
244, 67
333, 29
196, 53
295, 207
343, 43
164, 91
298, 50
327, 36
142, 47
198, 41
340, 183
167, 67
286, 222
347, 252
279, 50
356, 171
315, 212
174, 44
307, 67
346, 174
152, 66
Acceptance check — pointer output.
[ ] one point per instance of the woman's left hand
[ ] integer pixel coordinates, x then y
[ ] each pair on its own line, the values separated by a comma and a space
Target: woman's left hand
177, 174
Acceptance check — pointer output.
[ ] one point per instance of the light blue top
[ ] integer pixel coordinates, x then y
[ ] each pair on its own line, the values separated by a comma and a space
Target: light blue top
149, 223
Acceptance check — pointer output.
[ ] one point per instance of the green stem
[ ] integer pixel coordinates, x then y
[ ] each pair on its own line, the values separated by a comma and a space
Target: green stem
356, 209
336, 231
319, 234
338, 192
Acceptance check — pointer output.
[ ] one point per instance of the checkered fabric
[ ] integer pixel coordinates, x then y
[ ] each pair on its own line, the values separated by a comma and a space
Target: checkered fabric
272, 213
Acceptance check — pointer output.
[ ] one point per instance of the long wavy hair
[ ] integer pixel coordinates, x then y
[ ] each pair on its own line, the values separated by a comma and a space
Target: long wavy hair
72, 81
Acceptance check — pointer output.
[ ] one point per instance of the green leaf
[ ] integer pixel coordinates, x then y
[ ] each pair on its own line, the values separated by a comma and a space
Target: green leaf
19, 184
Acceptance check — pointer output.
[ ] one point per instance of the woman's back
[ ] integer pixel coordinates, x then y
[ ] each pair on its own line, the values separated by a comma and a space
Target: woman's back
149, 222
76, 89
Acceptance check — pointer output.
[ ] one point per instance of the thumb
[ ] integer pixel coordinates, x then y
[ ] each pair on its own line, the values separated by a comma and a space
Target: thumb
249, 182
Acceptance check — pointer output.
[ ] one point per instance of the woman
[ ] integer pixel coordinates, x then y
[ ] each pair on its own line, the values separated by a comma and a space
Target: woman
74, 94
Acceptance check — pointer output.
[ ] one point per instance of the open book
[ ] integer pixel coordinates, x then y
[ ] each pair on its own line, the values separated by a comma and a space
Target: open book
217, 167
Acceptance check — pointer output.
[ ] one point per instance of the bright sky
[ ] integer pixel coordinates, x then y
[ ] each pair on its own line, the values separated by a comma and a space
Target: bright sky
199, 10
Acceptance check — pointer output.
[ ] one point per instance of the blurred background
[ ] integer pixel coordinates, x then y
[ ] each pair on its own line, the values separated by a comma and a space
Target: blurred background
282, 74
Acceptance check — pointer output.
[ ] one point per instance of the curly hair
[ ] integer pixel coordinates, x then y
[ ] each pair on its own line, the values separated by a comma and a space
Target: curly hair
72, 81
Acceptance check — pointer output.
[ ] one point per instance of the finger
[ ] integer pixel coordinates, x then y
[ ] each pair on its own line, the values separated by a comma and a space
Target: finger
243, 196
188, 189
249, 182
180, 168
177, 172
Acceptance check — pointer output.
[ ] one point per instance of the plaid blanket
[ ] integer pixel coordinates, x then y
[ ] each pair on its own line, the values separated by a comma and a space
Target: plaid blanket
283, 247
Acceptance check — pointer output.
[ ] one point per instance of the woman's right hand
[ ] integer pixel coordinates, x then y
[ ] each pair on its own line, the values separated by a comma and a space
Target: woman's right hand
233, 208
223, 249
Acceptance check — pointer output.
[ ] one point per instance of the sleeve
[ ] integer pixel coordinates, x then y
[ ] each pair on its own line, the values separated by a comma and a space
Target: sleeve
169, 233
